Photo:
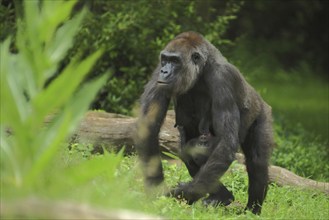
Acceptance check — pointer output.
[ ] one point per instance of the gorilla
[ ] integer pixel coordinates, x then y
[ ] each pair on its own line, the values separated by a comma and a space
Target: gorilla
212, 101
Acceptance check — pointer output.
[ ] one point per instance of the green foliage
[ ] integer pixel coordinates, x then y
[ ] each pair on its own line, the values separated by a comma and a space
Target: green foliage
43, 39
76, 169
297, 153
133, 33
7, 17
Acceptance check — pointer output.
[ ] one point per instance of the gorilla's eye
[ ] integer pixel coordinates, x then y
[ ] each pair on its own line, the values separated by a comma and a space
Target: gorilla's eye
175, 59
196, 57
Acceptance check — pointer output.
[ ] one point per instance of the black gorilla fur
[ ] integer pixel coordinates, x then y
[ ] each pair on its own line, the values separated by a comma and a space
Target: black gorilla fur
212, 102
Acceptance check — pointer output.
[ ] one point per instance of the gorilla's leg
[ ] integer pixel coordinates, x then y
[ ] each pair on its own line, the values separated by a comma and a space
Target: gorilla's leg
257, 147
221, 197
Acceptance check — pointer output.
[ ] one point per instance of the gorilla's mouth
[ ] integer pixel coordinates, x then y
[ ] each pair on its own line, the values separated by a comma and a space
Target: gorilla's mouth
162, 83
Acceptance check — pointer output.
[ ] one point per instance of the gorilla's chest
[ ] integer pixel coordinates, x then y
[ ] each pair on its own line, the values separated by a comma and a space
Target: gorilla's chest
192, 109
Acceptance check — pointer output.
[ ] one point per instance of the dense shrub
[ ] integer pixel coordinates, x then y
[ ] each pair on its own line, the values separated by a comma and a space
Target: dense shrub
7, 17
296, 151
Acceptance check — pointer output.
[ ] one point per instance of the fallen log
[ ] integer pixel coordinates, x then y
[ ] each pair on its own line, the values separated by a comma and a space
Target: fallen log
284, 177
113, 131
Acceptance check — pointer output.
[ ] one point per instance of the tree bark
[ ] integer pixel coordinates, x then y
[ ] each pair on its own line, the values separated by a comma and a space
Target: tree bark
113, 131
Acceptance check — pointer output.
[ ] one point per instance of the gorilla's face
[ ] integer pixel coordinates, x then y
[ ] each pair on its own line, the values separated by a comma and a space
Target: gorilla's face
181, 64
171, 66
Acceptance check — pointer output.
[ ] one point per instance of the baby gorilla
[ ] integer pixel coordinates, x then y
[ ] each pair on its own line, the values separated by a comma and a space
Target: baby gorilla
198, 150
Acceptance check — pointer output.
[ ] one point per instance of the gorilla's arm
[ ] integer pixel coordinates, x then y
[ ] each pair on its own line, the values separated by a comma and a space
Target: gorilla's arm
226, 120
154, 107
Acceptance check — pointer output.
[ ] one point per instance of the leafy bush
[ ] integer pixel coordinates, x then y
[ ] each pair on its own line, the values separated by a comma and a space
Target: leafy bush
7, 16
43, 38
297, 153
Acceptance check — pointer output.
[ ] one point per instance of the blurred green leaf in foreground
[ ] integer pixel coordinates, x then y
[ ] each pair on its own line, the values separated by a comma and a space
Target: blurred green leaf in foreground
45, 34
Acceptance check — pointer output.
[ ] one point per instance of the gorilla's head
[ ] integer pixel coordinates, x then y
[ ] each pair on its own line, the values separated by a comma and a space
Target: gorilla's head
182, 62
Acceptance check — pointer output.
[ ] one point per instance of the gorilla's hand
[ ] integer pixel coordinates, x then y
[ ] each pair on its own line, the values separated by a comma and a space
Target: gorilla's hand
185, 191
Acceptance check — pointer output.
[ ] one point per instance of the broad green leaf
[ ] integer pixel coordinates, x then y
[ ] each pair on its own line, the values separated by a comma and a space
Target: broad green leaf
13, 104
63, 38
52, 19
7, 154
79, 104
62, 88
63, 125
30, 43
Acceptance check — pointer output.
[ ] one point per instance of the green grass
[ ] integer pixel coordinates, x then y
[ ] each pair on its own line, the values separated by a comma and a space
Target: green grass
111, 181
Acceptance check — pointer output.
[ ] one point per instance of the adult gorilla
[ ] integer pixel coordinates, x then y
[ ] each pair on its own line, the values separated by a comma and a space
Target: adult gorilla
211, 98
